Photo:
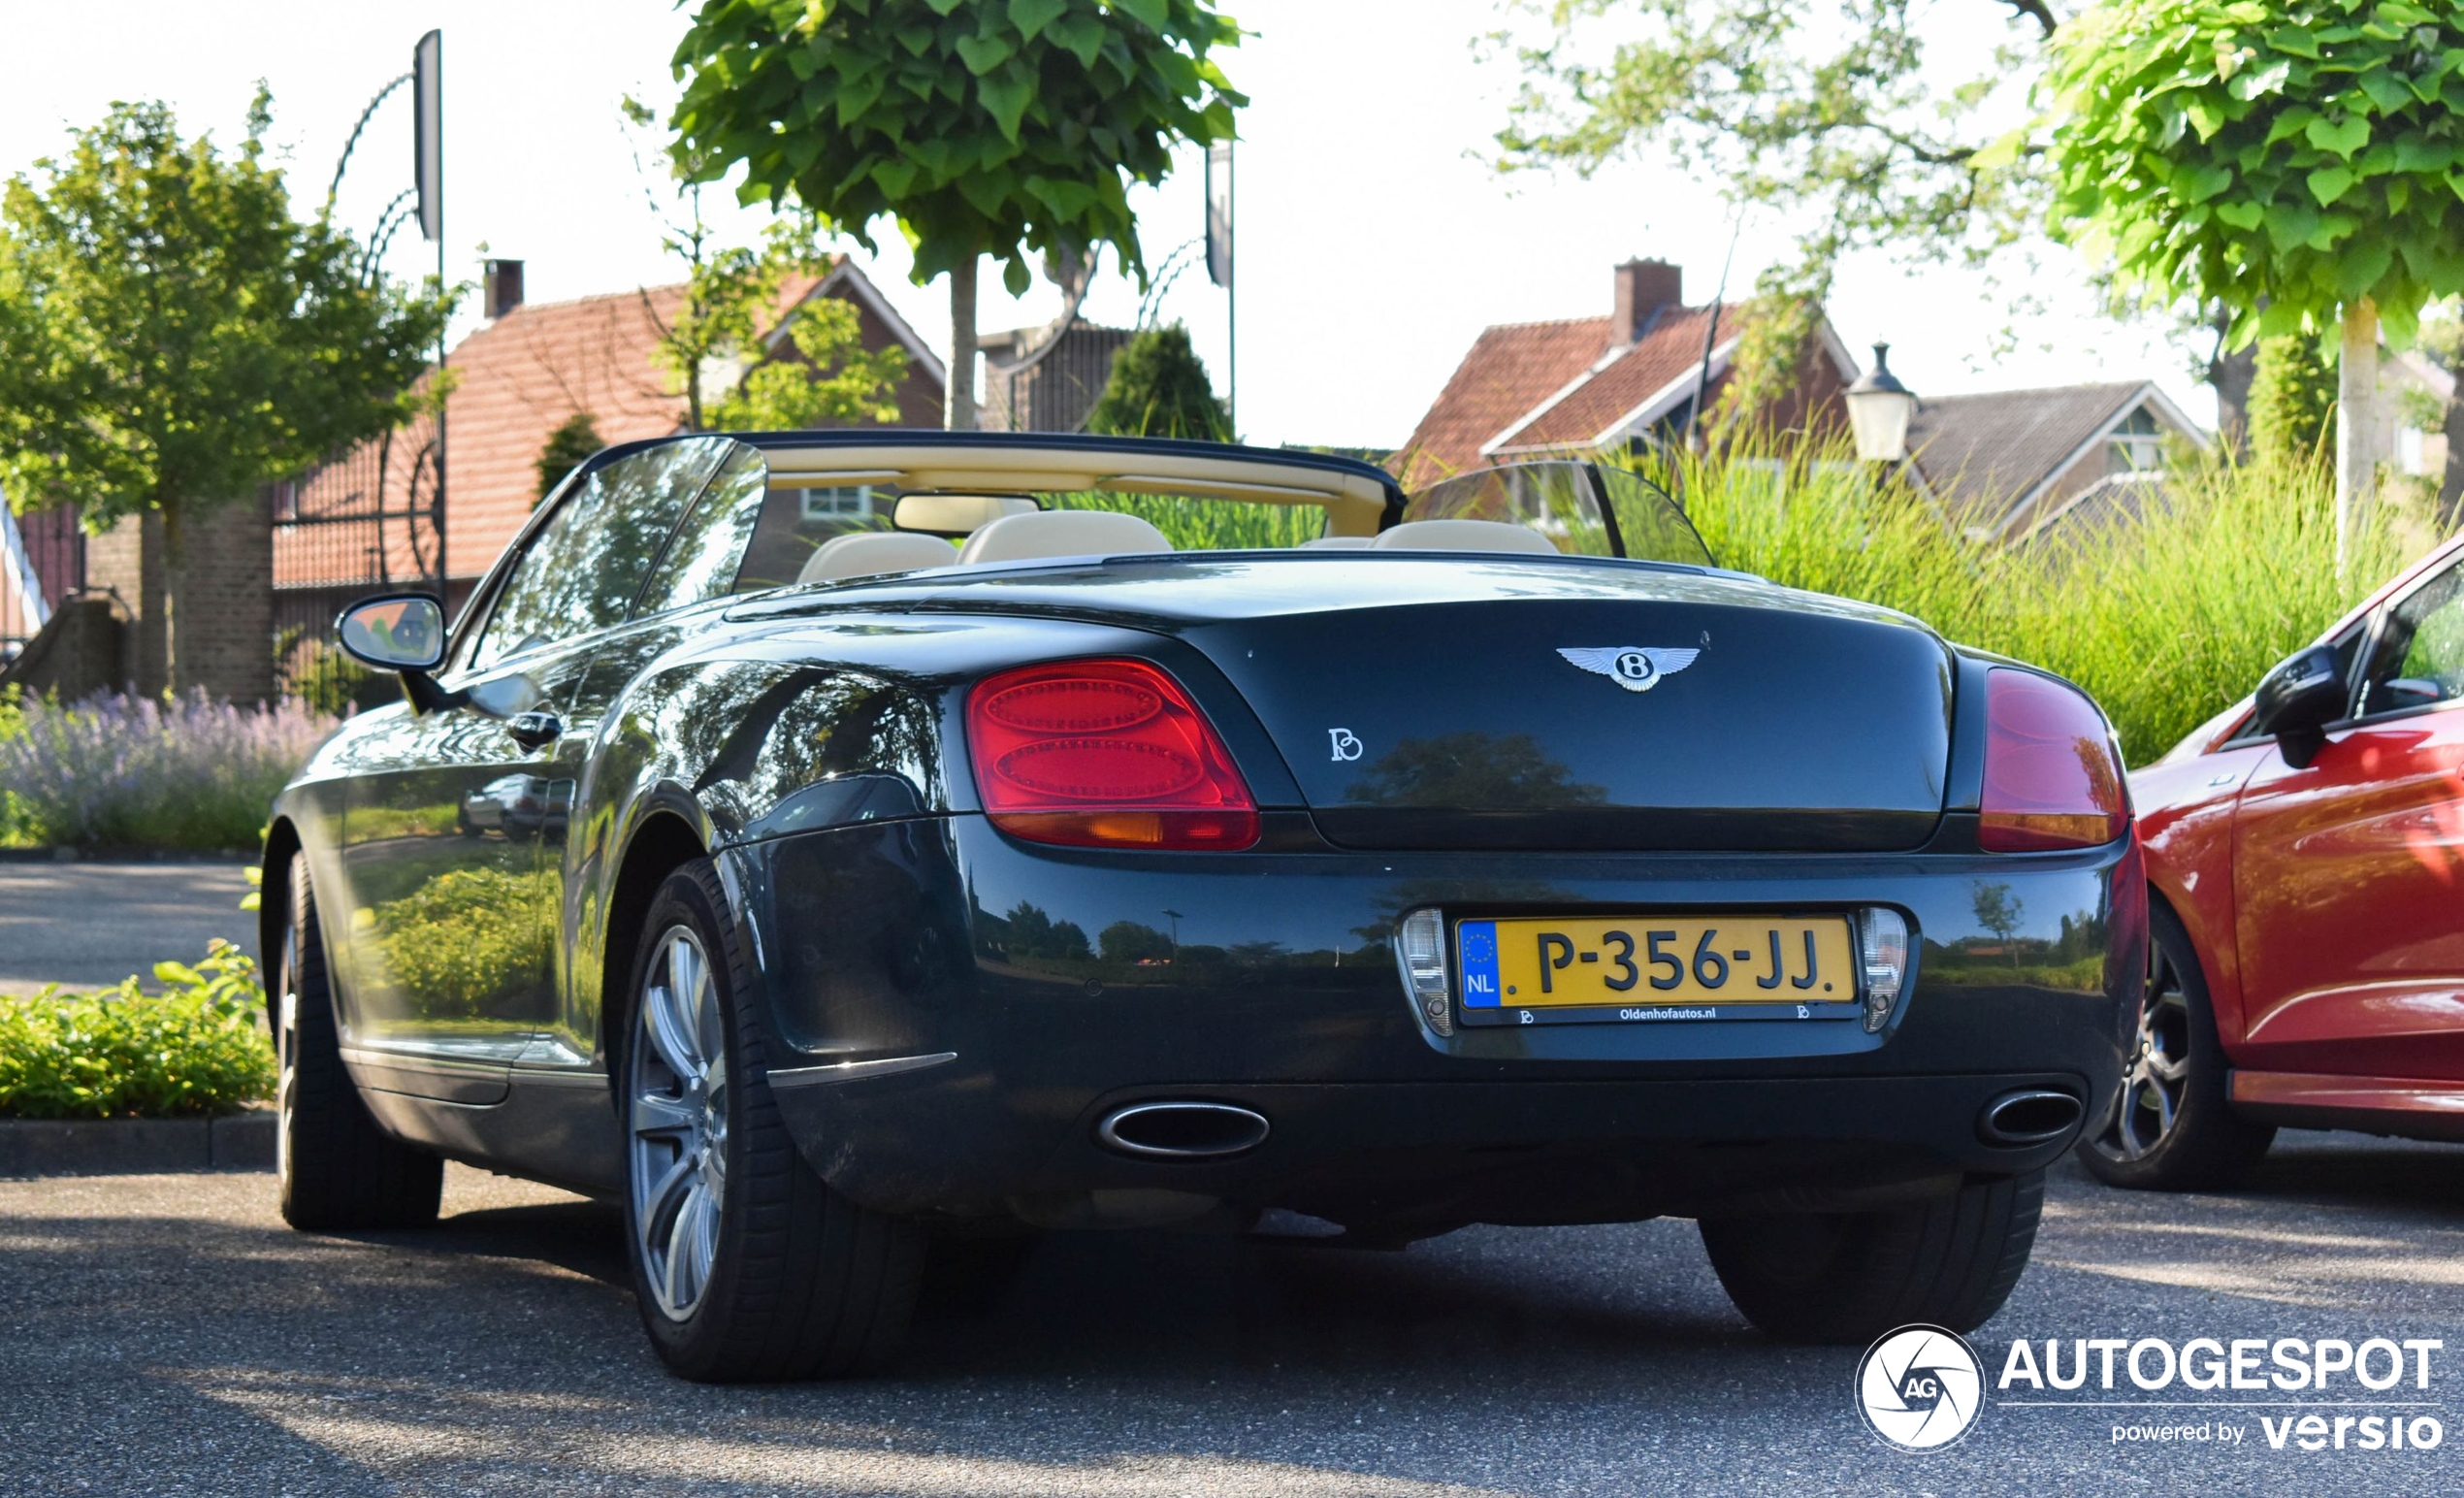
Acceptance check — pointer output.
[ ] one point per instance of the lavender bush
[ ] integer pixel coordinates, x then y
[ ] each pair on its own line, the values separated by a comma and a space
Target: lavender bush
184, 772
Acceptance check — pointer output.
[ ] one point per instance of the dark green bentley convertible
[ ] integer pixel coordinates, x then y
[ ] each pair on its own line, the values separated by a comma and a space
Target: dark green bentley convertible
827, 843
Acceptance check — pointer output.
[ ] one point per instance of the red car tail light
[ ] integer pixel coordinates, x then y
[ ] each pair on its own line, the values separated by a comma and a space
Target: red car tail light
1104, 754
2051, 777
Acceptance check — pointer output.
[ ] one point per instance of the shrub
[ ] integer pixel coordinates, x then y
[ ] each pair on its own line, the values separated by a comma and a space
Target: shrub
16, 823
199, 1047
1159, 388
182, 772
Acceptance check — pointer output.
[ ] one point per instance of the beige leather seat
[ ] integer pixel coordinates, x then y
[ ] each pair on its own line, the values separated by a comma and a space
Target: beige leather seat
1463, 535
868, 553
1339, 543
1061, 532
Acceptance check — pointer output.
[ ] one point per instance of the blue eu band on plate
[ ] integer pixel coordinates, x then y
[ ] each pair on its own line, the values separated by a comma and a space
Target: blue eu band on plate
1703, 965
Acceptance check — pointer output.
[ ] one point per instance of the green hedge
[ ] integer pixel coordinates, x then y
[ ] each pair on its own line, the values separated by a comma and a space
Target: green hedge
199, 1047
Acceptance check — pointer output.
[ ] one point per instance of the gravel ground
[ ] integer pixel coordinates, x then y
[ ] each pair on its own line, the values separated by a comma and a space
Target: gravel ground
89, 925
166, 1334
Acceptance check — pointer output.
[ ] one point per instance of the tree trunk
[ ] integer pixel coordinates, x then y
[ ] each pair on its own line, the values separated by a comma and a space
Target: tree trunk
958, 403
174, 565
2356, 420
2230, 374
2452, 482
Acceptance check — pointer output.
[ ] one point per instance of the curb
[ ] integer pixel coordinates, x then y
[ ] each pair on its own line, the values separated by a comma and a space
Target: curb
238, 857
132, 1147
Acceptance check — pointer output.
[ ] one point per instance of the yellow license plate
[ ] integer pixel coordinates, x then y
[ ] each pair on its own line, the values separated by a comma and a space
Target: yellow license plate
1655, 963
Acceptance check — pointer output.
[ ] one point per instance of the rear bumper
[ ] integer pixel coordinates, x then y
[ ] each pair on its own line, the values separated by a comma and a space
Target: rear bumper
1277, 992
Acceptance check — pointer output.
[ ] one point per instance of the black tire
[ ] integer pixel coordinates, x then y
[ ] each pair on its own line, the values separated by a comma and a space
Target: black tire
1850, 1277
797, 1280
339, 1171
2172, 1127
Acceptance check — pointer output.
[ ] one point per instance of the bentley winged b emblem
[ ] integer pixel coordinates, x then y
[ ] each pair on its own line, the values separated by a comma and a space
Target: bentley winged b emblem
1635, 667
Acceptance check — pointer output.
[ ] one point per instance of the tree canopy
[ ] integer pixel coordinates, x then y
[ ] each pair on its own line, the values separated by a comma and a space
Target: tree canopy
984, 127
1837, 112
1007, 128
2287, 158
171, 336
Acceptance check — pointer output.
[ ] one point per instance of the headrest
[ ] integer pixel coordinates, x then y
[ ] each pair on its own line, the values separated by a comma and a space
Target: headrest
1463, 535
867, 553
1339, 543
1062, 533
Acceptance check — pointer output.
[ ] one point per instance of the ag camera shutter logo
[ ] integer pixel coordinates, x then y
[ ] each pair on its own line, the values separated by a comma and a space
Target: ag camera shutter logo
1920, 1387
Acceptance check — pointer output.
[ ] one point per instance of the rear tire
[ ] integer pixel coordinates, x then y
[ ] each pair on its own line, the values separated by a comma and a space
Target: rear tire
746, 1265
2172, 1127
1850, 1277
339, 1171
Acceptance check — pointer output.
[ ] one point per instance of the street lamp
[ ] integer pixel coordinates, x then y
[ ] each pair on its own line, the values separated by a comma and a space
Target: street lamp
1878, 410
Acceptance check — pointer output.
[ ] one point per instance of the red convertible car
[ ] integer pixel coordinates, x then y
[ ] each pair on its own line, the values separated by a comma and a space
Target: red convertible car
2305, 851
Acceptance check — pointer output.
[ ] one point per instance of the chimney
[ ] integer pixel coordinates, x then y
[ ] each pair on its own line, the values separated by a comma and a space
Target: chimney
502, 290
1644, 287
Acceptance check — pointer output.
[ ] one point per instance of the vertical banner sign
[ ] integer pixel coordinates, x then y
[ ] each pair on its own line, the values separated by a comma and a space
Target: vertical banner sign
428, 164
1219, 271
1220, 214
427, 100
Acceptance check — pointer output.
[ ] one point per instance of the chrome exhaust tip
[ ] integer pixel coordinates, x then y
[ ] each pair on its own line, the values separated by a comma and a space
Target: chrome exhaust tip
2035, 1116
1182, 1130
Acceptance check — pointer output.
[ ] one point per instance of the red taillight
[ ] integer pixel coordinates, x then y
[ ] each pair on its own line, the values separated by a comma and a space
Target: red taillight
1104, 754
2051, 778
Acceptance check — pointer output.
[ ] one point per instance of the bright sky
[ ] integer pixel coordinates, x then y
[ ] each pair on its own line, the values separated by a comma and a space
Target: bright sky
1374, 245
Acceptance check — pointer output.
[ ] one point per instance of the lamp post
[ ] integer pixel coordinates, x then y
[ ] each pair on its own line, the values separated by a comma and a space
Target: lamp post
1879, 408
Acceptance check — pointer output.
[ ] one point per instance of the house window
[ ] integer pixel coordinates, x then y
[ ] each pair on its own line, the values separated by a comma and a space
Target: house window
2137, 445
855, 503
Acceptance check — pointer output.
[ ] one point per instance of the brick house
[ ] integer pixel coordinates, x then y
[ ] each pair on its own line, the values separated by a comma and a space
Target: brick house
2005, 463
1592, 384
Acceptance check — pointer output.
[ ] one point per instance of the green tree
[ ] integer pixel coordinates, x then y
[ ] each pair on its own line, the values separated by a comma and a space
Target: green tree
170, 337
571, 444
2292, 401
983, 128
1158, 388
827, 375
2295, 160
743, 360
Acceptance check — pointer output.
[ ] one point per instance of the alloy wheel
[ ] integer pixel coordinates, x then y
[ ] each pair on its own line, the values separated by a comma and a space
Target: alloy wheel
2148, 1107
678, 1123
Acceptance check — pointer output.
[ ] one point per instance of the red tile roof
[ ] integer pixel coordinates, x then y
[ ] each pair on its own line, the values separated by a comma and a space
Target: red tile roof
1668, 352
1551, 386
1511, 367
517, 380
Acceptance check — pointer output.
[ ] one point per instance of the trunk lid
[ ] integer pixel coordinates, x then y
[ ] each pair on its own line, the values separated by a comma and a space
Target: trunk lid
1674, 712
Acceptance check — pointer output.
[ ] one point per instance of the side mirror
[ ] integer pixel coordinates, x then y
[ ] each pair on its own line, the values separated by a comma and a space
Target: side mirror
402, 632
2297, 699
398, 631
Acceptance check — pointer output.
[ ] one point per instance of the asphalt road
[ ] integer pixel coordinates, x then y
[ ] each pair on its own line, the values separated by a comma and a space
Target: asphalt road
89, 925
166, 1335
